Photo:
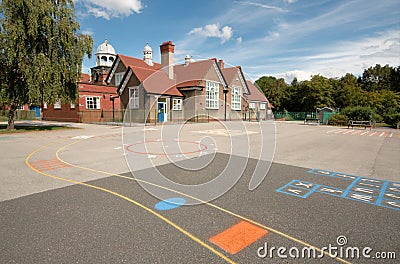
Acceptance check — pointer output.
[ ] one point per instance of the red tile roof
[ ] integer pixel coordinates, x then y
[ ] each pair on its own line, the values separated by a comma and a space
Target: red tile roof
229, 74
130, 61
154, 80
88, 87
255, 93
84, 78
192, 73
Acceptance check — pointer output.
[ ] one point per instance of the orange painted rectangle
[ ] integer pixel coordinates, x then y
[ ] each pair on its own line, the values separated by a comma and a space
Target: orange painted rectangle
237, 237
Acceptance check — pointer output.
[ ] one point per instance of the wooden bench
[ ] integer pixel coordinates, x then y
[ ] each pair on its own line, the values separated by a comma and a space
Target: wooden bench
311, 121
365, 124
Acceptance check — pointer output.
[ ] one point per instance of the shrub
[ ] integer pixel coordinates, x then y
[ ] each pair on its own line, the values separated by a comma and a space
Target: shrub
337, 120
289, 118
392, 119
359, 113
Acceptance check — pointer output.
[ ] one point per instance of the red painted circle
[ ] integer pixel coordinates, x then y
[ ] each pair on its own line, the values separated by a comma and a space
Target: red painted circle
203, 147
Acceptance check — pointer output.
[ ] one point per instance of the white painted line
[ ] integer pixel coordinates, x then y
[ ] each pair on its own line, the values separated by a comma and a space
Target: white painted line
340, 131
391, 135
347, 132
383, 133
356, 132
372, 134
331, 131
118, 148
151, 156
82, 137
364, 133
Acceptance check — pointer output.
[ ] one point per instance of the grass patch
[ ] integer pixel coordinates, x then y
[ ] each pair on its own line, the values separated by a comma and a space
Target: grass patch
30, 128
3, 118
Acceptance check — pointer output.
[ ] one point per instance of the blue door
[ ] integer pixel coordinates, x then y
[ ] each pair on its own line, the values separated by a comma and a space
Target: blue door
161, 109
37, 110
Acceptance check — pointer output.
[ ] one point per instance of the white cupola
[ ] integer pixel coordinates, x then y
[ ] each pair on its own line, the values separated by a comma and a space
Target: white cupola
148, 55
105, 54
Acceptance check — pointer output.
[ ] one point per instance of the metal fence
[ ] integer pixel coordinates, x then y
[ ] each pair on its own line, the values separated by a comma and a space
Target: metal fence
131, 116
294, 115
20, 114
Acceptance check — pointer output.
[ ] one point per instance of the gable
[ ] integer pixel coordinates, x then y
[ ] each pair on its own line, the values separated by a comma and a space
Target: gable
214, 74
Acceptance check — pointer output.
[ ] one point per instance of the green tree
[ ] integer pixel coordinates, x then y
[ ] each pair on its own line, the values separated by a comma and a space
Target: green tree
315, 93
347, 92
377, 78
274, 89
41, 52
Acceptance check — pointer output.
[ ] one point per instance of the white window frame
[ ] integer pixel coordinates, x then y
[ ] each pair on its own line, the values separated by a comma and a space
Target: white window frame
236, 98
212, 95
44, 105
118, 78
72, 106
134, 97
262, 106
177, 104
92, 102
252, 105
57, 105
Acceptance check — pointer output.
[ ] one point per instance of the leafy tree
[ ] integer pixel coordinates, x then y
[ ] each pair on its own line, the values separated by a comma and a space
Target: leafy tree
316, 93
274, 89
347, 92
41, 52
395, 79
377, 78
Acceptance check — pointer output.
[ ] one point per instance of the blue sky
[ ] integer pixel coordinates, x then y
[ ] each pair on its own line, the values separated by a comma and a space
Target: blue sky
282, 38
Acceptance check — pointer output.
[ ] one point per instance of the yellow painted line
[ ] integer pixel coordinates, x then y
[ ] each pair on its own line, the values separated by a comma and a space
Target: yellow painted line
166, 220
204, 202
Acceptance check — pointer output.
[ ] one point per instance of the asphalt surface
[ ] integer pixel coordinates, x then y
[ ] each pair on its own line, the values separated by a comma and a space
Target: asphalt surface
49, 216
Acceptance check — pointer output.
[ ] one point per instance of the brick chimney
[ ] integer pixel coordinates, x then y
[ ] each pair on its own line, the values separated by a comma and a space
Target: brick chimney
221, 64
167, 58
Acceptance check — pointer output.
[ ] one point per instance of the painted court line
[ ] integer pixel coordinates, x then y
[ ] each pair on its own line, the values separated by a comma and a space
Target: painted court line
356, 132
332, 131
347, 132
180, 229
269, 229
340, 131
383, 133
372, 134
237, 237
366, 132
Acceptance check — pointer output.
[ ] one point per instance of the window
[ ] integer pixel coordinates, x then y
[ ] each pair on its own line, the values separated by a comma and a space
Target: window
118, 78
262, 106
72, 105
177, 104
236, 105
252, 105
92, 102
57, 105
133, 97
212, 95
44, 105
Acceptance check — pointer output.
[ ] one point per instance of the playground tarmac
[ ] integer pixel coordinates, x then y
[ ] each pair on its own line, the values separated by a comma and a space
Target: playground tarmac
85, 196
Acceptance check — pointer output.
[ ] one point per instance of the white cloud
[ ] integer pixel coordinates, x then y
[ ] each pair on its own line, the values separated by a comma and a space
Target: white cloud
263, 6
290, 1
111, 9
239, 41
213, 30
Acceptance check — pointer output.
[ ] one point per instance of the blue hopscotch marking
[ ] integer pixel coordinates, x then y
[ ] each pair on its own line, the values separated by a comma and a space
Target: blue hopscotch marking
361, 189
169, 204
